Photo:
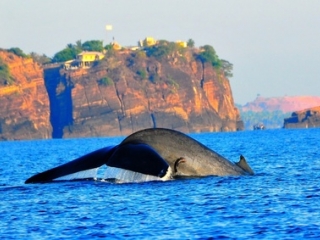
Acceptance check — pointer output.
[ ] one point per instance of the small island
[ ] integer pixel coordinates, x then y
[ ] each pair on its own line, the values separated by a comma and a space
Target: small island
88, 89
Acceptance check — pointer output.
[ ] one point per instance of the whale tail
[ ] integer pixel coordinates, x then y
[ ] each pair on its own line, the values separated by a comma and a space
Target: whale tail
133, 156
244, 165
151, 152
90, 161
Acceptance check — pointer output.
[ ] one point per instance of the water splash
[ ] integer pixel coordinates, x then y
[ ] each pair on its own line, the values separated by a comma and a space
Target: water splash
127, 176
114, 174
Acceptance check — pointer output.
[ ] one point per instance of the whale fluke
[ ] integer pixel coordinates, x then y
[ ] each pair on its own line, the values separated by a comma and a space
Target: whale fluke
89, 161
158, 152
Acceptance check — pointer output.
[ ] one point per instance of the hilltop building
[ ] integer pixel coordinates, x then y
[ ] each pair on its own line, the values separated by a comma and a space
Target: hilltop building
83, 60
87, 58
116, 46
147, 42
181, 43
150, 41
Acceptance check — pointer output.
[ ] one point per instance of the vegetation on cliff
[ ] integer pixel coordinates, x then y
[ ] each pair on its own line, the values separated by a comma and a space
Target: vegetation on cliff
72, 50
105, 81
208, 54
17, 51
163, 49
38, 58
5, 76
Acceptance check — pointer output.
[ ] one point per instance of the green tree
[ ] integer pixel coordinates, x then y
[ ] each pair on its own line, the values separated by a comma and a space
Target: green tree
106, 81
163, 49
69, 53
64, 55
41, 59
17, 51
70, 45
190, 43
108, 47
78, 45
93, 45
227, 68
208, 54
142, 73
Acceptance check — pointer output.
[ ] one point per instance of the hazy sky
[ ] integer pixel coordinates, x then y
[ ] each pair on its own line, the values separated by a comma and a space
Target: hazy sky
274, 45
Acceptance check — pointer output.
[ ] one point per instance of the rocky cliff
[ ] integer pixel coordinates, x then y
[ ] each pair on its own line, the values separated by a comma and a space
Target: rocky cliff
125, 92
24, 111
128, 91
308, 118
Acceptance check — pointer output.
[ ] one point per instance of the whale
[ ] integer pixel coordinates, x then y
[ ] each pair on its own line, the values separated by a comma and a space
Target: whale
150, 154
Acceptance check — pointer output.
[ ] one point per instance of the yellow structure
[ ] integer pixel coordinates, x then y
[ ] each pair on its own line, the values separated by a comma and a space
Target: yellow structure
149, 41
85, 59
181, 43
116, 46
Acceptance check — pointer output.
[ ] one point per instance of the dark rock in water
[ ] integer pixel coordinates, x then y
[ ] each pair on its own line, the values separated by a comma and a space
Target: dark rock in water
309, 118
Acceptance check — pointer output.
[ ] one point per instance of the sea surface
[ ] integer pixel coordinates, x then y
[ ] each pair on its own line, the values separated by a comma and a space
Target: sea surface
281, 201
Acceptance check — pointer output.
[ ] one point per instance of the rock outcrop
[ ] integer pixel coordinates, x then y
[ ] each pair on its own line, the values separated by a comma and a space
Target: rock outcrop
127, 92
309, 118
24, 111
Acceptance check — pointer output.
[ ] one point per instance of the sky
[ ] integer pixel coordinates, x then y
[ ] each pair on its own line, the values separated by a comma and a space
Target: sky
274, 45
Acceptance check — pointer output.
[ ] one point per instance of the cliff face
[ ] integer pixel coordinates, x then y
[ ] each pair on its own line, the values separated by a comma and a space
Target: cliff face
308, 118
24, 111
126, 92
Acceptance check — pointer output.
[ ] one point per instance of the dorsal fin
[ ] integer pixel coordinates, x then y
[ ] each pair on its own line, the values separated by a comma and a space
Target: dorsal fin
244, 165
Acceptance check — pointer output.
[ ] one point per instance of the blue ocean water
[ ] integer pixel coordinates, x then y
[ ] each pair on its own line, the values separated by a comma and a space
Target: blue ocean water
282, 201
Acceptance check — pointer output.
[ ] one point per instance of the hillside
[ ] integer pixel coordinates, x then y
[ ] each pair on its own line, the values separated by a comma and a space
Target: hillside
271, 112
284, 104
126, 91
